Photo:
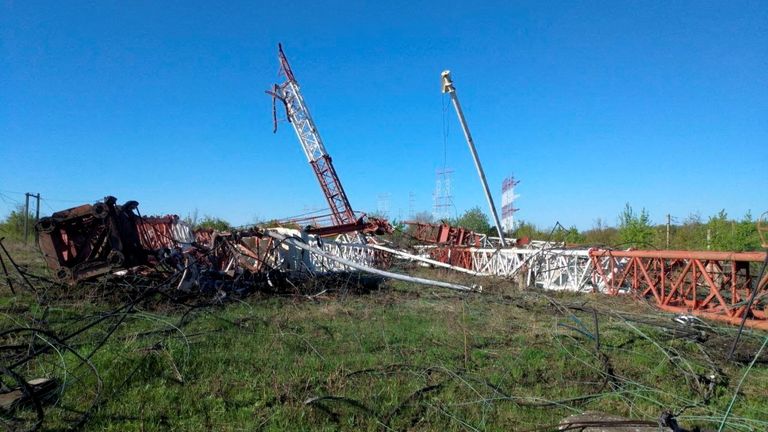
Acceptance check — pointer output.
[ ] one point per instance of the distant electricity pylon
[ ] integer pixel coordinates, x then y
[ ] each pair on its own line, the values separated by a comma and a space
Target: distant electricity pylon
383, 204
443, 199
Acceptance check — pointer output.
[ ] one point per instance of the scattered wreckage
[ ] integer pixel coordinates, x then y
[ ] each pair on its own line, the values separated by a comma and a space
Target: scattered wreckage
105, 238
90, 241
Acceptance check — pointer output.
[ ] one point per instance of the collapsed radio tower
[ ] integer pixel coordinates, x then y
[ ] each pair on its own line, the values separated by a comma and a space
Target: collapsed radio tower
298, 115
343, 218
508, 209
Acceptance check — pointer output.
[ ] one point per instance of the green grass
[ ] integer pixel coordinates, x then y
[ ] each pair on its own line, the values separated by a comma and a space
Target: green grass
403, 358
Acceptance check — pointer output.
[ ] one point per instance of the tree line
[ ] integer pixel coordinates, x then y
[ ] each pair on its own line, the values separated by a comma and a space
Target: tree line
634, 230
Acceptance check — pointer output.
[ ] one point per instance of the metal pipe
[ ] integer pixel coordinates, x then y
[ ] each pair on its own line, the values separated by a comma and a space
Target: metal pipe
301, 245
26, 216
411, 257
449, 88
37, 214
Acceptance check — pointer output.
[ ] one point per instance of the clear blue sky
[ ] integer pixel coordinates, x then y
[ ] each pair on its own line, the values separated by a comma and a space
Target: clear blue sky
590, 104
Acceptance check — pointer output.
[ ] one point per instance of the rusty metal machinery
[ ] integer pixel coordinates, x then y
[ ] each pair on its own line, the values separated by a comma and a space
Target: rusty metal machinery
445, 234
90, 240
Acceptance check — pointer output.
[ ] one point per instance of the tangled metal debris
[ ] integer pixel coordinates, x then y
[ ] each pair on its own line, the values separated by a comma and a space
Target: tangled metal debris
90, 240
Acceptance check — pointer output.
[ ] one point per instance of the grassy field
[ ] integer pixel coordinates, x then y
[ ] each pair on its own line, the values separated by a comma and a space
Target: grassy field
401, 357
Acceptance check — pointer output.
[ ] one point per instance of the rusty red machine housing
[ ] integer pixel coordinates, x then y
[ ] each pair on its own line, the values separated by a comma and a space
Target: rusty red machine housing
90, 240
445, 234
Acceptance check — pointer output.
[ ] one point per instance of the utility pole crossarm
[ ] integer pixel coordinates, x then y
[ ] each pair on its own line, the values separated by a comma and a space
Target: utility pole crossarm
450, 89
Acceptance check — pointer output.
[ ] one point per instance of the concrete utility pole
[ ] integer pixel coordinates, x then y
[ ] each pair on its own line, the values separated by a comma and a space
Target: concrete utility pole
37, 213
669, 220
26, 216
26, 212
449, 88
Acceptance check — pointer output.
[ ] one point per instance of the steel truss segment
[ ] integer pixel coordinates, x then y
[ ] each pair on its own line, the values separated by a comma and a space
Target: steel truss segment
286, 256
312, 145
711, 284
555, 269
301, 119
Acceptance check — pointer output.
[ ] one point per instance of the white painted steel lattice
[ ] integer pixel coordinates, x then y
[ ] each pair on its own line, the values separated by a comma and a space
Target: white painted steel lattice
299, 116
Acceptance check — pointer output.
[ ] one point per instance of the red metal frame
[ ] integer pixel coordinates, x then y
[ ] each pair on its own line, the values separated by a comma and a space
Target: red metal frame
156, 232
444, 234
455, 256
333, 191
711, 284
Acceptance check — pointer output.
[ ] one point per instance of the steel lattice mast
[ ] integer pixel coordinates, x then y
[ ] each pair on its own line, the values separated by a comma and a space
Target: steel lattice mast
298, 114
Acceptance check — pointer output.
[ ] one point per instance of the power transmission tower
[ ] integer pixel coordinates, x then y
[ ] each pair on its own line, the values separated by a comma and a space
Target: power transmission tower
443, 199
383, 204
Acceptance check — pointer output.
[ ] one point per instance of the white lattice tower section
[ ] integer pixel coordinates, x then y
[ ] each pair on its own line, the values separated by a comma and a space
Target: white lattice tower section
508, 209
304, 126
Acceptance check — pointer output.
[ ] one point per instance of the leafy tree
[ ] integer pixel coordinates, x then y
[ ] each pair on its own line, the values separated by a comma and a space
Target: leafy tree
601, 234
730, 235
215, 223
573, 236
720, 232
13, 225
690, 235
635, 230
747, 237
423, 217
474, 219
527, 230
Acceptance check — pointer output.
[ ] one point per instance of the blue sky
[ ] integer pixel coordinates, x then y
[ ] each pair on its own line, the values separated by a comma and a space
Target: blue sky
590, 104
